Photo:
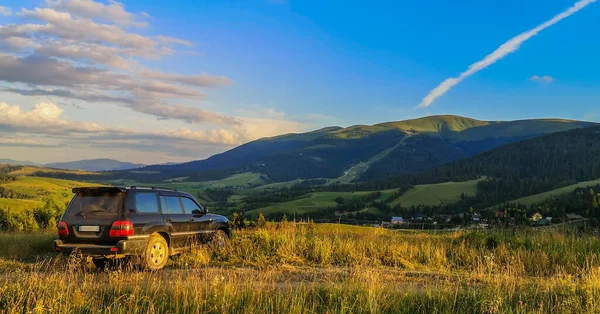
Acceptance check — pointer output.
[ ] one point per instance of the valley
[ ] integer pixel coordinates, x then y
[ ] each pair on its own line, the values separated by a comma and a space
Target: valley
522, 175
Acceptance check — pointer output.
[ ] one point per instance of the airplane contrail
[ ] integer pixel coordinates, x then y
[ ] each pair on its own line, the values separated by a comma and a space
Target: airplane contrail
508, 47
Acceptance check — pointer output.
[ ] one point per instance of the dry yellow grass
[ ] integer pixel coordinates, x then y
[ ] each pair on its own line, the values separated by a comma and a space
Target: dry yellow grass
307, 268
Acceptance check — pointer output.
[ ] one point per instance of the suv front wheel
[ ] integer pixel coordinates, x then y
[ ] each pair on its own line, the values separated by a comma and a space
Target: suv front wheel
219, 239
156, 254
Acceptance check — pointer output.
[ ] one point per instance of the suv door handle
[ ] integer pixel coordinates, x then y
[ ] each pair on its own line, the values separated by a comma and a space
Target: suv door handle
169, 220
191, 219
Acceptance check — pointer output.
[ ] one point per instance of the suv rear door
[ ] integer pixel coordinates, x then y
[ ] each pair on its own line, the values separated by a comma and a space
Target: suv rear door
176, 218
90, 214
144, 212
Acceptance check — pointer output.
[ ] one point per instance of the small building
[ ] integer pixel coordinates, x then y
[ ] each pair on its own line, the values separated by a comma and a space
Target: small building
536, 217
500, 215
397, 220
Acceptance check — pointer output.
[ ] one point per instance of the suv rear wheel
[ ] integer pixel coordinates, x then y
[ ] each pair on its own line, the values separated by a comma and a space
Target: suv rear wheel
156, 254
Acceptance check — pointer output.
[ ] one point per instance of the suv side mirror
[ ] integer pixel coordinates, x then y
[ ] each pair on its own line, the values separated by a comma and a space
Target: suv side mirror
206, 210
196, 212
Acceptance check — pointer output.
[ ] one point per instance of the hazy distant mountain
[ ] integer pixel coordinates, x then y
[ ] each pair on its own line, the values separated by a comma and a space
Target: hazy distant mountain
18, 162
103, 164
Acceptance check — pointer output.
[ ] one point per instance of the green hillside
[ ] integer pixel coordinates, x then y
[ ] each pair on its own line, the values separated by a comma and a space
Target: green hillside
519, 170
431, 194
313, 202
33, 190
540, 197
436, 194
437, 124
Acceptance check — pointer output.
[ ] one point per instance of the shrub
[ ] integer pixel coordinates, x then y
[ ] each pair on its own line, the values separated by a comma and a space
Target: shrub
261, 221
237, 221
48, 215
17, 221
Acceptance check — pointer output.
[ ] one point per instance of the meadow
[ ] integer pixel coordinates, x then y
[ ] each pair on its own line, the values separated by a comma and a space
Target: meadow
33, 190
540, 197
314, 202
313, 268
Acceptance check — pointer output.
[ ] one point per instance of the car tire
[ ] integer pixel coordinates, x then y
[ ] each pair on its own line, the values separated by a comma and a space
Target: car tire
219, 239
156, 253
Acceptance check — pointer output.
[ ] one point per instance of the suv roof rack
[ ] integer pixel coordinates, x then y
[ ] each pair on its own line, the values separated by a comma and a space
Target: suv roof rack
136, 187
105, 189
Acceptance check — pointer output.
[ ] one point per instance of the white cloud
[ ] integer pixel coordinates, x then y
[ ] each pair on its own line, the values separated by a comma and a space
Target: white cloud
82, 50
508, 47
258, 111
22, 142
82, 53
44, 118
542, 79
5, 11
114, 11
47, 120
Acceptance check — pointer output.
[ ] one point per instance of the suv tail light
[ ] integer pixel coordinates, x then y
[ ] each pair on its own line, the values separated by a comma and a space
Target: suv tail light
63, 229
121, 229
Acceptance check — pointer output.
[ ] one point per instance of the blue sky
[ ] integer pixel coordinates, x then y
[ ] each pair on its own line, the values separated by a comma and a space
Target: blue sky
343, 58
298, 65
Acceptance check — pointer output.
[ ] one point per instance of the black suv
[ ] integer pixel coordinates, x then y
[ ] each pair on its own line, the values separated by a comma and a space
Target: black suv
145, 224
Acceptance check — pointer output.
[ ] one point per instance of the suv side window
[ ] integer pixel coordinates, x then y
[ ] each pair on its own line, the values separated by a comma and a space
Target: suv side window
190, 206
146, 203
174, 205
163, 205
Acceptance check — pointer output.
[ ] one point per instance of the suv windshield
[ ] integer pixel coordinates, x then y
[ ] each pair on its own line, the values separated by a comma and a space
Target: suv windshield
96, 204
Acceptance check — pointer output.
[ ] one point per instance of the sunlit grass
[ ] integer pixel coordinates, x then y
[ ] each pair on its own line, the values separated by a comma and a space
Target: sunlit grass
298, 268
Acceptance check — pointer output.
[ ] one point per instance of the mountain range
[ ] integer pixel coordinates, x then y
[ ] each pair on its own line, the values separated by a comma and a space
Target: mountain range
102, 164
518, 169
18, 162
362, 152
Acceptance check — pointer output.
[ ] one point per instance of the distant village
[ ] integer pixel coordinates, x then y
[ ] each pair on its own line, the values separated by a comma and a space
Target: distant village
473, 220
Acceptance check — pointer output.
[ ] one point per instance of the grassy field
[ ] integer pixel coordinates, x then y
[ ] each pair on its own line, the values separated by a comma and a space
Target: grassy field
431, 194
300, 268
435, 194
314, 202
538, 198
36, 189
278, 185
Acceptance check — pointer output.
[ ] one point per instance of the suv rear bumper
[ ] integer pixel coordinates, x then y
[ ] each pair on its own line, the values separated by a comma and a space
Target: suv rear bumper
123, 247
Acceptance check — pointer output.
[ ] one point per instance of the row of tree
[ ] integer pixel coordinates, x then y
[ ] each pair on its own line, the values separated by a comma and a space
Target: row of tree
44, 217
